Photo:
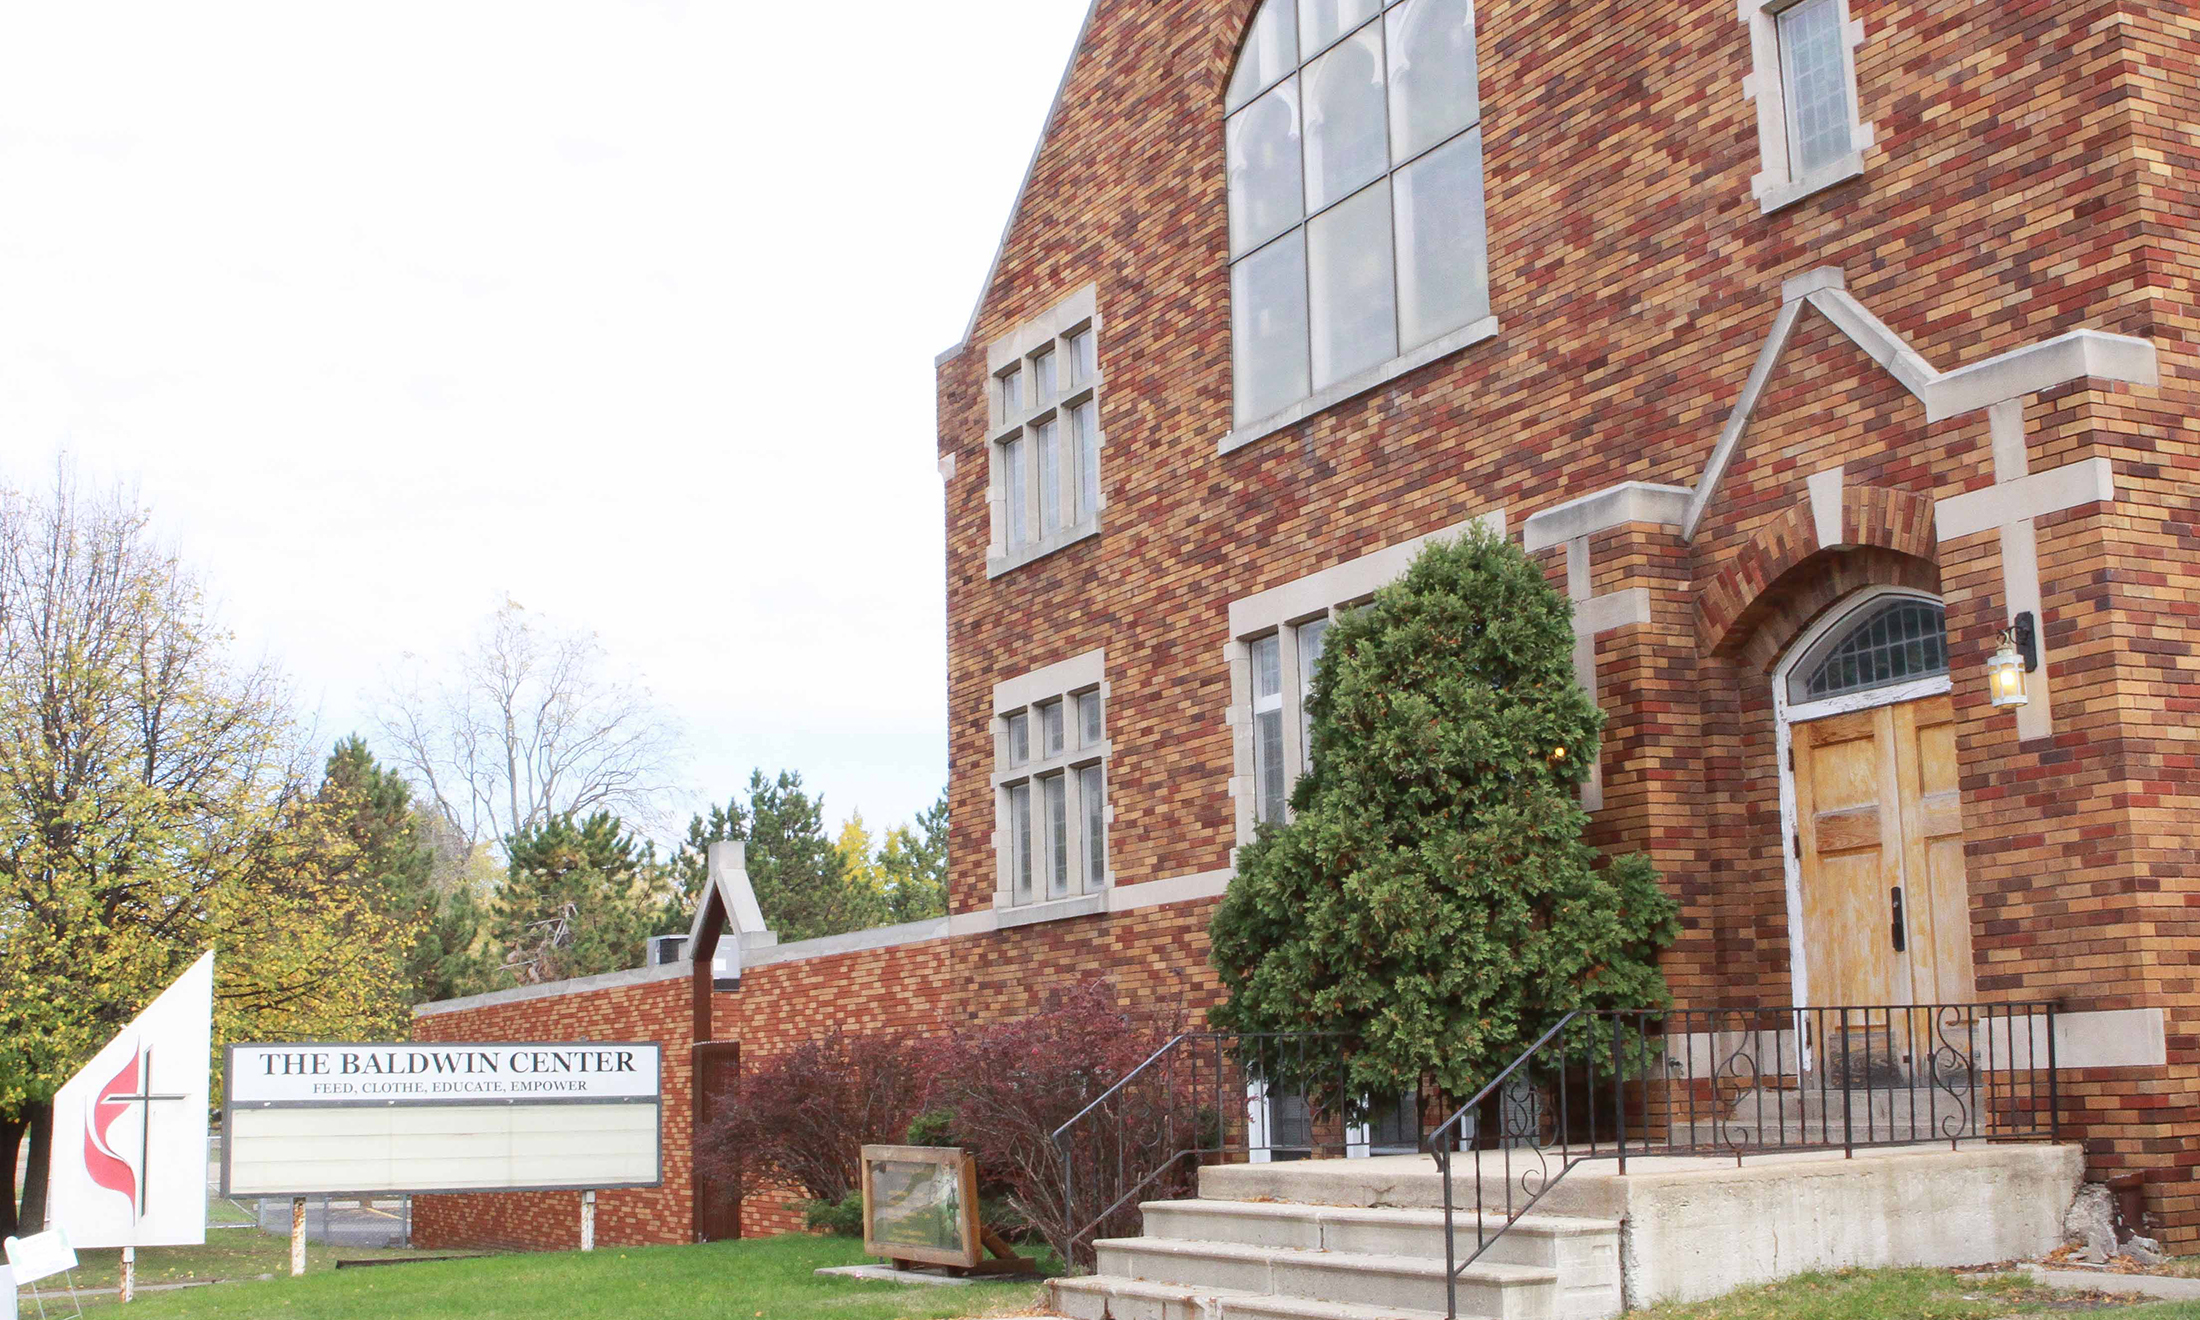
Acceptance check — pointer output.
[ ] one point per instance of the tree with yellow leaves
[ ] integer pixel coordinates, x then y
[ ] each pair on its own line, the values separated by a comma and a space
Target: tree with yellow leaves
153, 804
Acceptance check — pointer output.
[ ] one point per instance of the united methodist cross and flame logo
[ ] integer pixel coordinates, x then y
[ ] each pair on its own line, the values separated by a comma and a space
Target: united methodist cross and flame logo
110, 1167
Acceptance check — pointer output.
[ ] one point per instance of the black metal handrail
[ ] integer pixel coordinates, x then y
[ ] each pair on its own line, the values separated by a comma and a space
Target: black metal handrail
1733, 1082
1188, 1103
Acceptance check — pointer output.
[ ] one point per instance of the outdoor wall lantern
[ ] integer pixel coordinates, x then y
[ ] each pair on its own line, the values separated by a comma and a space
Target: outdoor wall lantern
2019, 655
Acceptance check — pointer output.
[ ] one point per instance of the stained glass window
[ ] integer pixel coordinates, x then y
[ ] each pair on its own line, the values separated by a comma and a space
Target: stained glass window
1897, 642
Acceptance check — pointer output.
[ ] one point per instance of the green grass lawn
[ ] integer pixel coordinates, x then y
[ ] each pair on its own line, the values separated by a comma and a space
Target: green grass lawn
1914, 1295
764, 1277
229, 1253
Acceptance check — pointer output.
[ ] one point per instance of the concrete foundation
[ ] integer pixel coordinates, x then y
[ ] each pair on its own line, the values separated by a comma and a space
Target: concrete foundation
1697, 1228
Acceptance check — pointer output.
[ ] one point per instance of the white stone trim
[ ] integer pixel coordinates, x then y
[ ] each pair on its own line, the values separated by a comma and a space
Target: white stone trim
745, 931
1614, 506
1737, 422
2016, 374
1353, 386
579, 985
1825, 504
1162, 893
1350, 580
947, 466
1007, 916
854, 941
2025, 498
1281, 610
1603, 614
1776, 185
1076, 673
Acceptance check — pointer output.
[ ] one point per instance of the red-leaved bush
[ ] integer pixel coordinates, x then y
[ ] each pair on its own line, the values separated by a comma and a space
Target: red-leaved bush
1010, 1084
801, 1118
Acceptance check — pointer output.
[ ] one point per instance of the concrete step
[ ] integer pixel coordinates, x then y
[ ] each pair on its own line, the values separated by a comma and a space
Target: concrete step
1582, 1252
1411, 1182
1554, 1242
1503, 1292
1099, 1297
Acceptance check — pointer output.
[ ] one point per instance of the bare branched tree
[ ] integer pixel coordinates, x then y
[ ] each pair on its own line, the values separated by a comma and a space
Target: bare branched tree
527, 724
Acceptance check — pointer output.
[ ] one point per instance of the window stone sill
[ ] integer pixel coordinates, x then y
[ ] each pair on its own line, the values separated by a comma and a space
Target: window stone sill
1054, 910
995, 565
1354, 386
1779, 196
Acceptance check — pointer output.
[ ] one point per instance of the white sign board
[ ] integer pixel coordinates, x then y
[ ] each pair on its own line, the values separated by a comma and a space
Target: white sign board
129, 1131
39, 1256
308, 1120
7, 1293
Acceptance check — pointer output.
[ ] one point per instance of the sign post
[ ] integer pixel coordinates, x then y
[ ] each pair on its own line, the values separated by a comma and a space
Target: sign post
298, 1235
588, 1221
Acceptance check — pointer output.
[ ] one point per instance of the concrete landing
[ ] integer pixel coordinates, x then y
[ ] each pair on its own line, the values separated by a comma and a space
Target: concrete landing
1698, 1227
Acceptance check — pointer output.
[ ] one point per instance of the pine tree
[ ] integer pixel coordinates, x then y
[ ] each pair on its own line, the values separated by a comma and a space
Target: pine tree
580, 896
802, 882
394, 842
913, 861
1432, 898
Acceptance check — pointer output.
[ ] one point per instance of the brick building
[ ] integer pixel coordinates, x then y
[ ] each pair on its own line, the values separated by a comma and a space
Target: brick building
1809, 346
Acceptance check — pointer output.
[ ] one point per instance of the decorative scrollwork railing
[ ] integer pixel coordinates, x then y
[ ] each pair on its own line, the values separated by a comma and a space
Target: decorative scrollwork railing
1735, 1082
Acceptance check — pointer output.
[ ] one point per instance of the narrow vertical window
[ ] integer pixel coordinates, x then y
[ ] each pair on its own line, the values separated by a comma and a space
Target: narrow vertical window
1082, 364
1055, 788
1269, 781
1816, 83
1019, 739
1016, 494
1311, 636
1019, 829
1045, 384
1012, 394
1092, 796
1084, 428
1050, 724
1048, 437
1088, 719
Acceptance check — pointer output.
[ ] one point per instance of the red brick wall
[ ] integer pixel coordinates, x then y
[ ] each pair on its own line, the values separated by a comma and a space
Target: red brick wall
2033, 176
551, 1221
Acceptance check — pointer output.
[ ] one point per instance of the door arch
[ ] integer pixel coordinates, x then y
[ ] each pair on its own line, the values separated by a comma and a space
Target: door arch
1871, 817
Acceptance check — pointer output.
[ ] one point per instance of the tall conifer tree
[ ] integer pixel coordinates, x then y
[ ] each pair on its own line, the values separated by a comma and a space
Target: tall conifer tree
1432, 897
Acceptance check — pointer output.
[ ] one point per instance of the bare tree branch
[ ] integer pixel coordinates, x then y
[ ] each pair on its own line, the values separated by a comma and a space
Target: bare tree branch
528, 723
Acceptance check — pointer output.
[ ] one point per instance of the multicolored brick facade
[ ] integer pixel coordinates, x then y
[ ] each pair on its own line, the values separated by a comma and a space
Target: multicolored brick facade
2032, 176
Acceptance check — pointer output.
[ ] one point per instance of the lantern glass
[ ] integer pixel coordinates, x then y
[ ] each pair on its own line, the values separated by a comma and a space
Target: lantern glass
2005, 676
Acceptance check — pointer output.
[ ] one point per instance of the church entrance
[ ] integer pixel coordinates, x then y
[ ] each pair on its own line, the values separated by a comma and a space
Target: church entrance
1879, 909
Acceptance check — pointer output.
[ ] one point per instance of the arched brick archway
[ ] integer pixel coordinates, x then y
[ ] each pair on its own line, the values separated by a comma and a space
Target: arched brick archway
1784, 576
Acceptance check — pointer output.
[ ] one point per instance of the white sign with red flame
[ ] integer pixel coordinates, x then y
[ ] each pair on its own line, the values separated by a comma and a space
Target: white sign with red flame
129, 1131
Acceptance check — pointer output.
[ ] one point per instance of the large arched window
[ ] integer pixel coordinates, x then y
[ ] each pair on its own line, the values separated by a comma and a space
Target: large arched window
1355, 159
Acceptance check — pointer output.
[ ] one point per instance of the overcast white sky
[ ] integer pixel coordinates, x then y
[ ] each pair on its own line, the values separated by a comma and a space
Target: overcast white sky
626, 310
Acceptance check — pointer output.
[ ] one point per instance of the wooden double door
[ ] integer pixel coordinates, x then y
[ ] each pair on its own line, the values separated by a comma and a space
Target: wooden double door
1879, 831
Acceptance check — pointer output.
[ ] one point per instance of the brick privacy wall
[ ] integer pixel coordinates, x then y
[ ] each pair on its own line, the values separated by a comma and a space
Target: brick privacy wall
551, 1221
2032, 176
1156, 957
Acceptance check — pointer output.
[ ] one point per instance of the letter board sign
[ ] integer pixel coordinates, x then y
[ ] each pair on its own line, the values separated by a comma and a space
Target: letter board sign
309, 1120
